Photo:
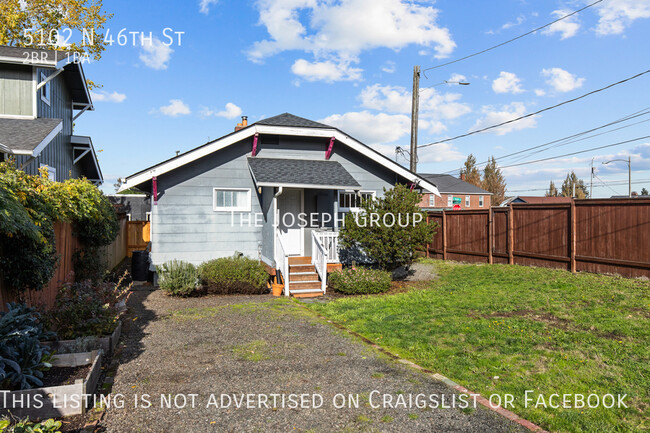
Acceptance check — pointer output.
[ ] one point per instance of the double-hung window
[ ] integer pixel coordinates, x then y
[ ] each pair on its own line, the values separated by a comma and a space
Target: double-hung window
232, 200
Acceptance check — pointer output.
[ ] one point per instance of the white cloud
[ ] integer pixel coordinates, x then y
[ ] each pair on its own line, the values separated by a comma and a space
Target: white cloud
204, 5
230, 112
397, 99
567, 28
494, 116
155, 54
389, 67
101, 96
327, 71
507, 83
561, 80
175, 108
615, 16
342, 30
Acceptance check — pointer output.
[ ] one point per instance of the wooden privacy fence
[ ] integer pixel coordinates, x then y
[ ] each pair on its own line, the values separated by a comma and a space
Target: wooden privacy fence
601, 236
138, 236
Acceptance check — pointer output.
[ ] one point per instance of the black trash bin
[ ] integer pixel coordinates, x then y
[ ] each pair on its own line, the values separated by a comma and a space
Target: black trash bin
140, 265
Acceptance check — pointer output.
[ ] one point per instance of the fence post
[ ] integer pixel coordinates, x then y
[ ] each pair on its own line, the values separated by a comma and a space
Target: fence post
444, 235
572, 235
490, 228
511, 237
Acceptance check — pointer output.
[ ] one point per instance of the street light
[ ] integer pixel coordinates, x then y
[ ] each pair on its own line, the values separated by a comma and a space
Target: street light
415, 109
629, 172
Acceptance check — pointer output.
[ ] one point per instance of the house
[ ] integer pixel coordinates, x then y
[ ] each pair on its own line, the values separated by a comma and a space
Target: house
529, 199
42, 92
136, 207
454, 194
276, 189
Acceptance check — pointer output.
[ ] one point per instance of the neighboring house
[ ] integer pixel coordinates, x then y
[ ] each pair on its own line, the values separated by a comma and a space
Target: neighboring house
42, 93
454, 192
245, 191
136, 207
535, 200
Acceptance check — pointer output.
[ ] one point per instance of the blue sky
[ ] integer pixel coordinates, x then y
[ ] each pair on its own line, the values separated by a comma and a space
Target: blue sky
349, 63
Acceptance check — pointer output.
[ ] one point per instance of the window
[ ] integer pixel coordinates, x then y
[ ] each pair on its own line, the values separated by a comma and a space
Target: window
466, 201
232, 199
45, 90
480, 201
450, 201
51, 172
432, 200
349, 200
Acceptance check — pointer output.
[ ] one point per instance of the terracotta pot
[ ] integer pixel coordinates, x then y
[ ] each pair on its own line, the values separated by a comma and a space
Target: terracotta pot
277, 289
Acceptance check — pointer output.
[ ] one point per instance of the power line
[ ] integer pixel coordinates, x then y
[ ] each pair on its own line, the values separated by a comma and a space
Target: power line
513, 39
536, 112
576, 153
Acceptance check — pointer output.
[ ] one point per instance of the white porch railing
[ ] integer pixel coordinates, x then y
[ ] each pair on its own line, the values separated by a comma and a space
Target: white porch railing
330, 241
282, 262
319, 259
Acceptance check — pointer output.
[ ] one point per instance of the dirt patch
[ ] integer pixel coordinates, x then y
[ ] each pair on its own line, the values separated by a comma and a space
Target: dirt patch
57, 376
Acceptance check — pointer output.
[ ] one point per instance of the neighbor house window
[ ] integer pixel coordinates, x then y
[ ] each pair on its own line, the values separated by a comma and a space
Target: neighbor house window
51, 172
432, 200
45, 90
351, 201
450, 201
480, 201
466, 201
232, 199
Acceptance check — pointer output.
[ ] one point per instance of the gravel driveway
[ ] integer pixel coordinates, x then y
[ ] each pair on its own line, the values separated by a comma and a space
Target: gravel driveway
263, 346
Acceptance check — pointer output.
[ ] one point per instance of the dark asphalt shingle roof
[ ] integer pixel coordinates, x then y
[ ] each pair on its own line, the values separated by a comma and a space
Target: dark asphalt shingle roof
301, 172
287, 119
447, 183
25, 134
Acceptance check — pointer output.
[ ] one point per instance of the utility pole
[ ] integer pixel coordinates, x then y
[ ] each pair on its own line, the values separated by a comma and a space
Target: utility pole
415, 108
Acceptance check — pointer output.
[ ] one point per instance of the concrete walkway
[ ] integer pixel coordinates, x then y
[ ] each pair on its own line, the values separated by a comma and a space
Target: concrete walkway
219, 348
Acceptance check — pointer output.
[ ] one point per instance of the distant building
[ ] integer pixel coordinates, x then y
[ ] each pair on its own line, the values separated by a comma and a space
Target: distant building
454, 192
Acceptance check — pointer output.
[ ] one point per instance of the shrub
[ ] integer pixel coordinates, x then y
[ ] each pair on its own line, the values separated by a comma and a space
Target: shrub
22, 357
86, 309
389, 244
360, 281
237, 274
178, 278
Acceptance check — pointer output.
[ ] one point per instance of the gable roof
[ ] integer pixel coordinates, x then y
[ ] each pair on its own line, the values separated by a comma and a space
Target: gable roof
300, 173
449, 184
314, 130
28, 136
287, 119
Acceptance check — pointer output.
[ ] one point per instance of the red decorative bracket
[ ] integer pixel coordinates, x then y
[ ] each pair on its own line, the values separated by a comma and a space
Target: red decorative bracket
255, 144
154, 182
330, 148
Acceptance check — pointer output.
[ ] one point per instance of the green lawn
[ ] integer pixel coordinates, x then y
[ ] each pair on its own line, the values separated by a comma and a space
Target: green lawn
535, 329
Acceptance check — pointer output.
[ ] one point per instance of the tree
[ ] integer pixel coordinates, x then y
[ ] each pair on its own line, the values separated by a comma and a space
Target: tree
472, 175
552, 191
494, 182
568, 187
388, 230
31, 22
644, 191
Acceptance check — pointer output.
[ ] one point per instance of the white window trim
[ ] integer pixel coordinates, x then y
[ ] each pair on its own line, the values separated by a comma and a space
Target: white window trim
51, 172
481, 201
468, 201
47, 87
245, 208
353, 209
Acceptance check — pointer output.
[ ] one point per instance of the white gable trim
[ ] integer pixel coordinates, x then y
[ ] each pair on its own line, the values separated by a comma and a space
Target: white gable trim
277, 130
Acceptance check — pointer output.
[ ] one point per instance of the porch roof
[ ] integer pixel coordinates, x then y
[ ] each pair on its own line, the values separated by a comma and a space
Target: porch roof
301, 173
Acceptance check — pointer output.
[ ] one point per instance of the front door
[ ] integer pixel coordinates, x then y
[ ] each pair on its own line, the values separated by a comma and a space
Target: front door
290, 205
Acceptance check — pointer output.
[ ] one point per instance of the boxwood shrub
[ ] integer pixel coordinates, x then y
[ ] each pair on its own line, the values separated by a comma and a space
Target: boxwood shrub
231, 275
360, 281
178, 278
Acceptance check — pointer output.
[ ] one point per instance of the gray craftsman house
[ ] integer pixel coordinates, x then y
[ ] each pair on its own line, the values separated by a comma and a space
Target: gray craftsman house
42, 93
274, 190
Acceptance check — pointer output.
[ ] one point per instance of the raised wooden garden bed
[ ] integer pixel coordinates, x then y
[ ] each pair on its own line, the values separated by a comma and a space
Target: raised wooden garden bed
56, 401
107, 343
